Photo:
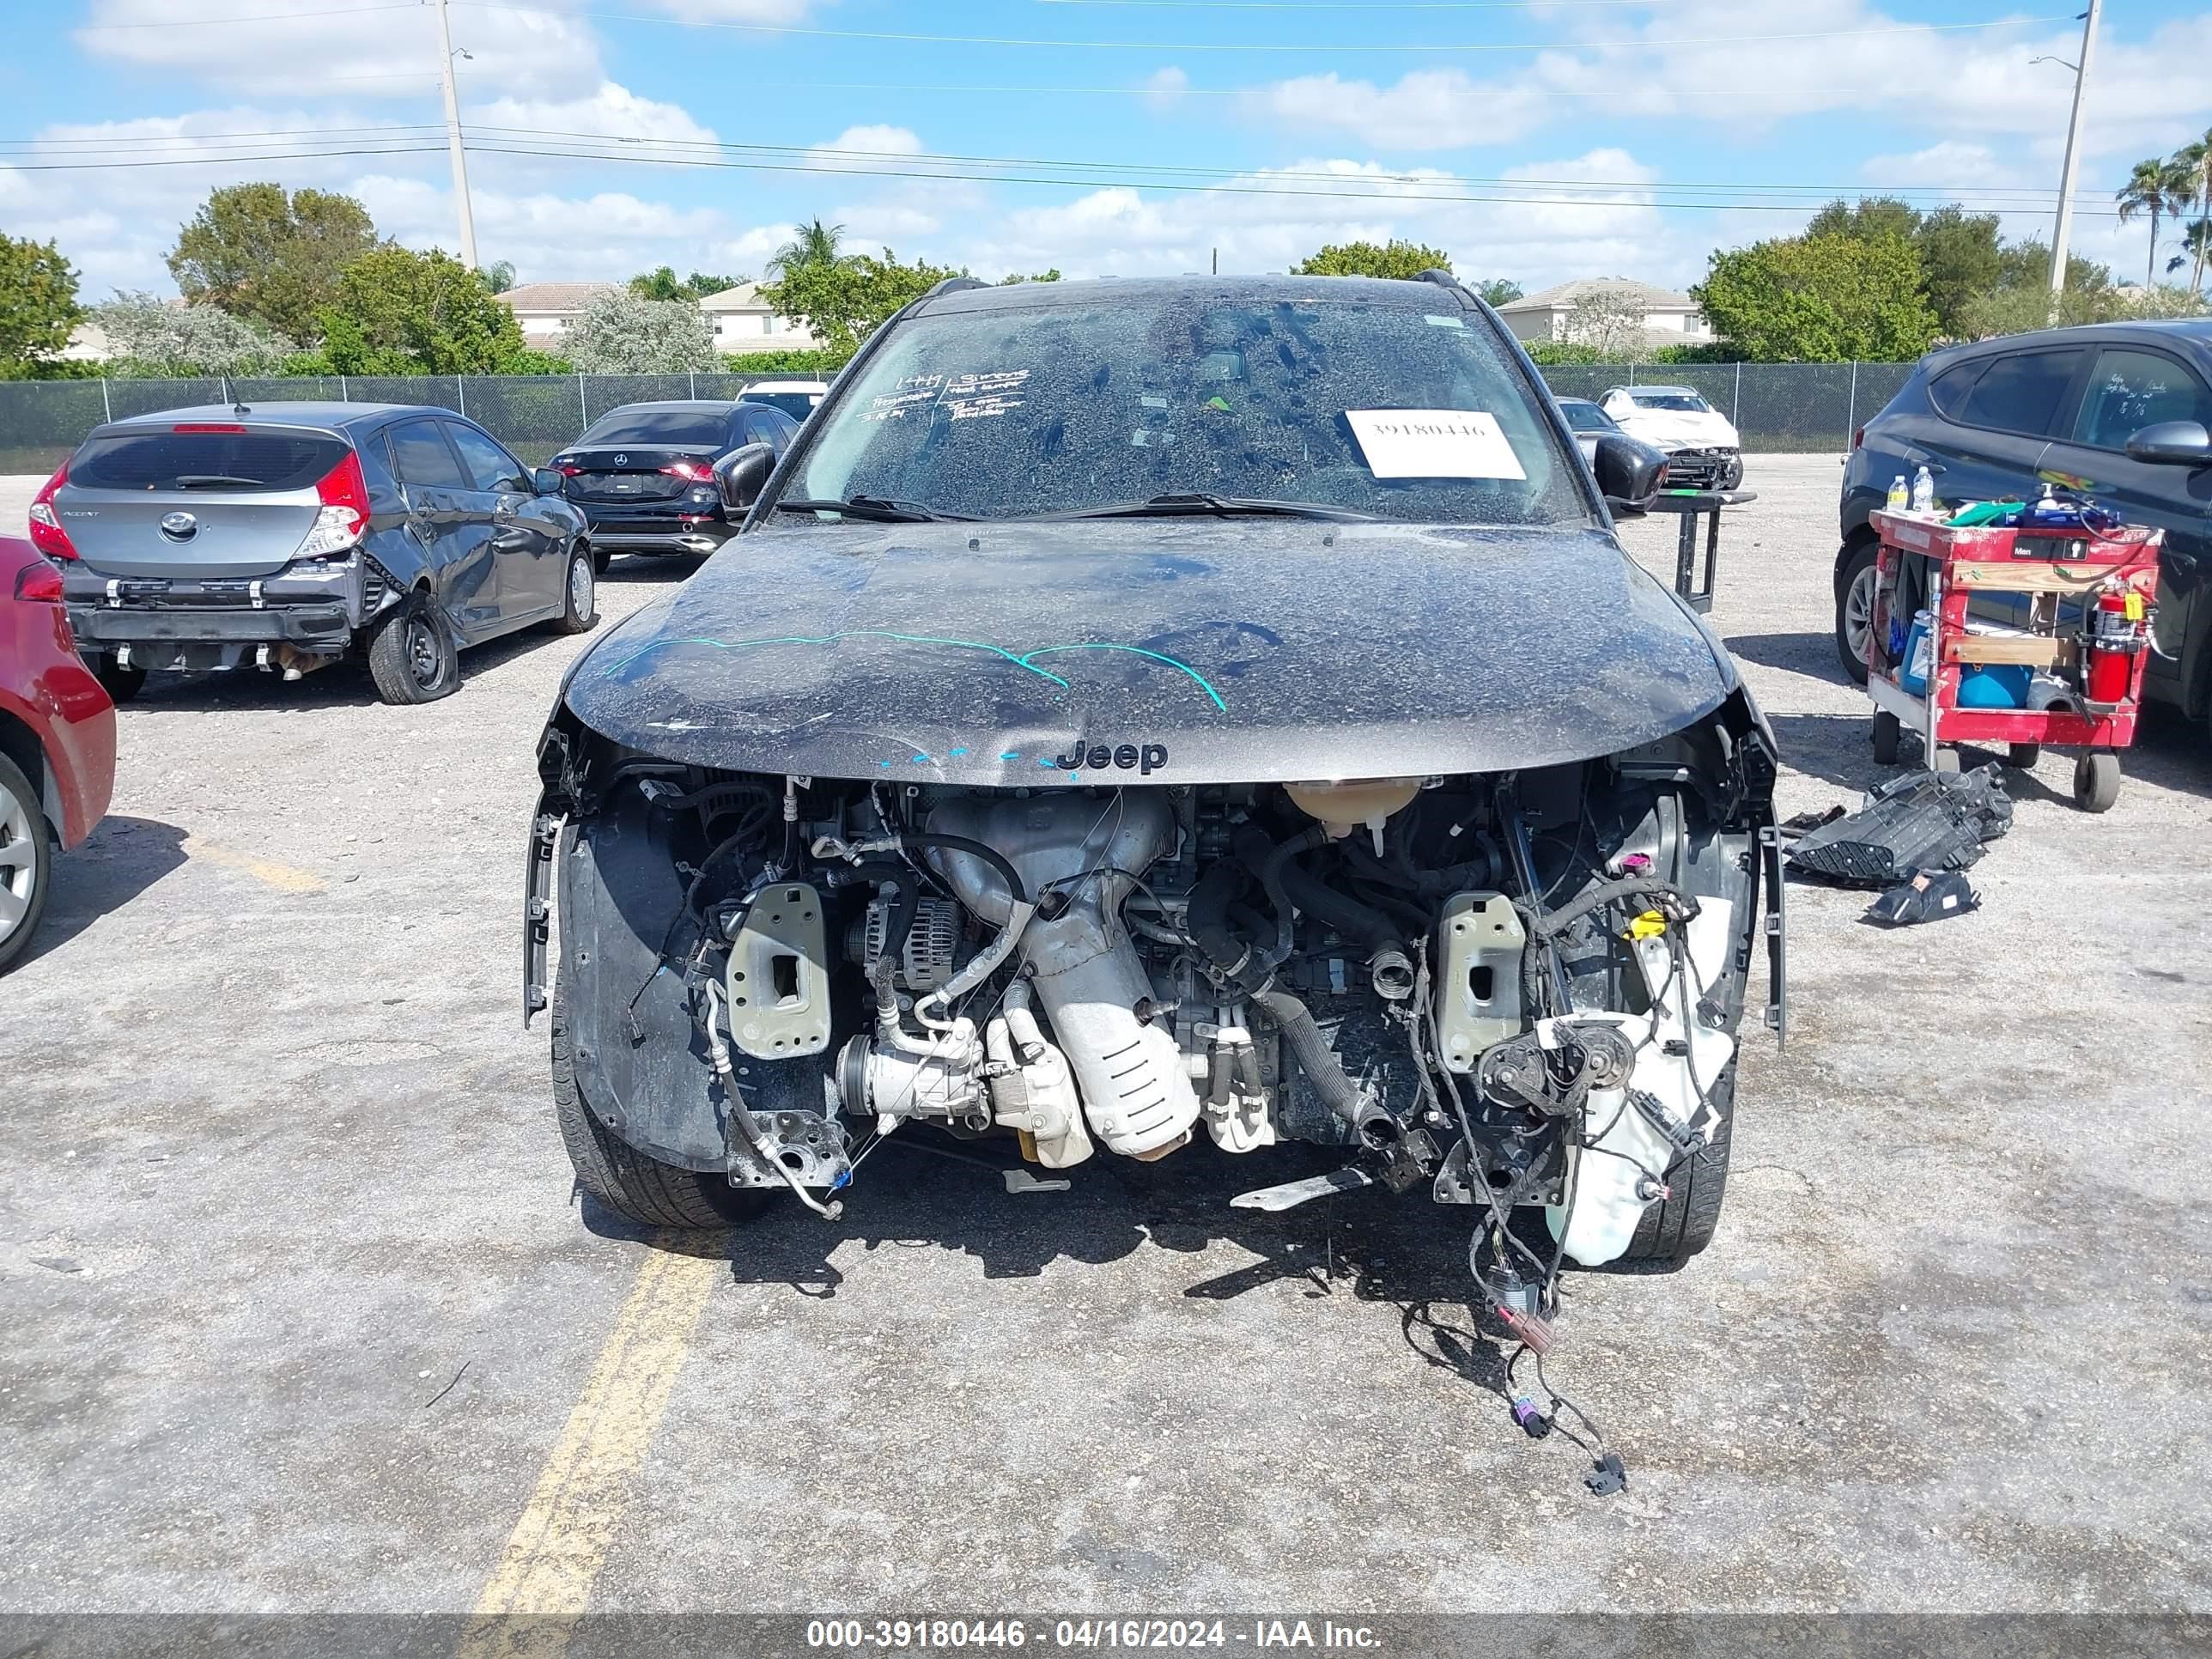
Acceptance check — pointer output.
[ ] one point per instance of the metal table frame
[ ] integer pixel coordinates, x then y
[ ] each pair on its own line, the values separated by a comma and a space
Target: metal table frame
1688, 504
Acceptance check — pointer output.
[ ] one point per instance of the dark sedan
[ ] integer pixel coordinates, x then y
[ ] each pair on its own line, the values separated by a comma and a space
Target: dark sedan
646, 475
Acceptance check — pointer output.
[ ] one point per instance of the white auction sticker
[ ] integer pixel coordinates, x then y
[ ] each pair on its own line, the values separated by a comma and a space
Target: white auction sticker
1433, 443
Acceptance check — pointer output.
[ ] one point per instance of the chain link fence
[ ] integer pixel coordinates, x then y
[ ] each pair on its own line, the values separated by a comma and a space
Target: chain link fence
1777, 407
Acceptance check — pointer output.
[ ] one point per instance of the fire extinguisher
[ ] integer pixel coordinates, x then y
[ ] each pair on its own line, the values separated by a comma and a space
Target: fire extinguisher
2117, 635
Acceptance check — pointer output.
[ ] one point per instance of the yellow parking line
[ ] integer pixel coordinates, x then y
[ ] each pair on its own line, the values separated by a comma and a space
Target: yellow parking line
545, 1577
283, 877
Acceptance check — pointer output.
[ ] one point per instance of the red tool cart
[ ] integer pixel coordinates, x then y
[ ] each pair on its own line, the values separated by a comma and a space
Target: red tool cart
2064, 615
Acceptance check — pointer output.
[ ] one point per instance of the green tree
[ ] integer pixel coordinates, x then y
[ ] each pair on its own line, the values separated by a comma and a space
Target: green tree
1820, 299
1960, 257
1959, 252
815, 244
38, 302
398, 311
2027, 264
271, 259
1868, 219
1052, 275
1498, 291
1365, 259
842, 301
664, 285
499, 275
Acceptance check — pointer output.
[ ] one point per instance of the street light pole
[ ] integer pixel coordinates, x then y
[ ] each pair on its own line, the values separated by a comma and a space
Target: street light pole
461, 162
2073, 150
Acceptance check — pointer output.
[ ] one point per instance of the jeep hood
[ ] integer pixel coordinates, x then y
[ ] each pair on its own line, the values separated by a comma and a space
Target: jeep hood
1175, 650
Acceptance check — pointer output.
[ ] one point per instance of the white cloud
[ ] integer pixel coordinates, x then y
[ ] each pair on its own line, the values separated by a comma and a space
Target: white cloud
1692, 62
357, 54
734, 11
1425, 110
610, 110
1164, 89
864, 147
553, 237
893, 212
117, 217
1122, 231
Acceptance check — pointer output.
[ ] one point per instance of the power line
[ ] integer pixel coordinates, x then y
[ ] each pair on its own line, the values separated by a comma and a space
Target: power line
251, 17
1249, 46
1593, 94
833, 152
636, 157
219, 161
1348, 5
568, 144
132, 142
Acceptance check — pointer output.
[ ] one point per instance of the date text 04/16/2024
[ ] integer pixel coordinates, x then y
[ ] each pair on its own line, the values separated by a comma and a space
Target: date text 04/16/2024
929, 1635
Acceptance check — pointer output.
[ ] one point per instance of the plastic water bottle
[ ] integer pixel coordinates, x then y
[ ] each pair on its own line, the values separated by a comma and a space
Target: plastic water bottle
1899, 498
1923, 491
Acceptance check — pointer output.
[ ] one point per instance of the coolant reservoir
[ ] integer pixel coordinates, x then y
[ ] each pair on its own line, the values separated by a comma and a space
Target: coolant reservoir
1342, 807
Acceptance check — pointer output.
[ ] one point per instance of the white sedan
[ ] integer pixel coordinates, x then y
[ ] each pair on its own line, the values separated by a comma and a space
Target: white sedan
1703, 449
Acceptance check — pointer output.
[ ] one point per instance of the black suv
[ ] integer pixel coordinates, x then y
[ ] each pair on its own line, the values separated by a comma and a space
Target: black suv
2122, 411
649, 477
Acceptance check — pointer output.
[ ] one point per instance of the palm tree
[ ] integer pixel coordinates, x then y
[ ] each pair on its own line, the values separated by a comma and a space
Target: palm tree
499, 277
817, 244
2158, 187
2196, 244
2195, 162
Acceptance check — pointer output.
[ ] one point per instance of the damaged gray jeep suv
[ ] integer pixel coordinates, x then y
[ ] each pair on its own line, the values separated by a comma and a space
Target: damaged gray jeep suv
1137, 712
287, 535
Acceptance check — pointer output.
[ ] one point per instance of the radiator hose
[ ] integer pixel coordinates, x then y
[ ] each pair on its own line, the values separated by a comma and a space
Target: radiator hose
1315, 1059
1207, 920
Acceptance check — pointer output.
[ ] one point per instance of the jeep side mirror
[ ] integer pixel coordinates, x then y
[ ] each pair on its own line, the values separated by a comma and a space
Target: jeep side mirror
742, 473
2173, 443
546, 481
1627, 470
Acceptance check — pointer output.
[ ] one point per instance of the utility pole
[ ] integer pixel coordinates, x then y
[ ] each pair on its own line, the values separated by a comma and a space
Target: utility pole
461, 162
2073, 149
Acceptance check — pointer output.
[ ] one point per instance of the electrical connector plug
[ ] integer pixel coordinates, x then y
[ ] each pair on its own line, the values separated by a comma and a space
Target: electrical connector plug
1534, 1331
1532, 1422
1607, 1476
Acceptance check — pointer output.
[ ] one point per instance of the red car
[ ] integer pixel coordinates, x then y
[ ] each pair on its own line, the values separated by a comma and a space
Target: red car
57, 740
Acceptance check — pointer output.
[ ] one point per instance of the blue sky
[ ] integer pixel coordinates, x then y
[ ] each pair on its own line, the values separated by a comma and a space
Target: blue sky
1538, 141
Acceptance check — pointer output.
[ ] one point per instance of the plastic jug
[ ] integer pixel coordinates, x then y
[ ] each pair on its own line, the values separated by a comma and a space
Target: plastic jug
1913, 676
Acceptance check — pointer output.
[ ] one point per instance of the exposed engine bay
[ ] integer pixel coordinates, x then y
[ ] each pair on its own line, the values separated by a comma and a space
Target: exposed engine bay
1508, 992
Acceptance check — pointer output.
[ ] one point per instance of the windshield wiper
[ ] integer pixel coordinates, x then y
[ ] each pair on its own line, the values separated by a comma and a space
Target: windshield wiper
879, 508
213, 480
1227, 507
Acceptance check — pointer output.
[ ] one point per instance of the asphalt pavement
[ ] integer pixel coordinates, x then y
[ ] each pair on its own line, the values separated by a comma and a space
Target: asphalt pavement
300, 1313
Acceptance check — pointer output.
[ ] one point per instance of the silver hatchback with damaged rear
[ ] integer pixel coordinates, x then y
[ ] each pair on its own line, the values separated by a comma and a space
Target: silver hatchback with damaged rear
288, 536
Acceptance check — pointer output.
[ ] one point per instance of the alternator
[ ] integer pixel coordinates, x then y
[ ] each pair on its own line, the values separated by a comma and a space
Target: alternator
932, 942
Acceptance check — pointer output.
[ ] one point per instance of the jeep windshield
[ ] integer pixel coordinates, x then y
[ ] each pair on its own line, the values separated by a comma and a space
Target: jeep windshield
1148, 402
